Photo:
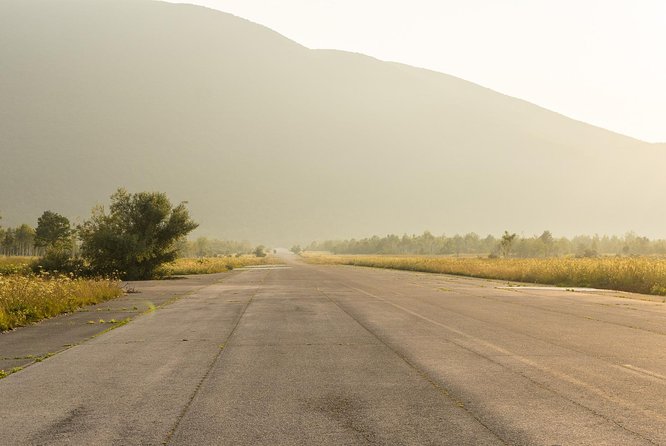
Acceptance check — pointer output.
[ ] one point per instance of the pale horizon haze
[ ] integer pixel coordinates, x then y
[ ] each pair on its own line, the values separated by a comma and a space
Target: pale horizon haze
601, 62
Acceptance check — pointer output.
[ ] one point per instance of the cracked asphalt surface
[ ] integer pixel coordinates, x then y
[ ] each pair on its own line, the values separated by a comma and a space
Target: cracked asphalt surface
333, 355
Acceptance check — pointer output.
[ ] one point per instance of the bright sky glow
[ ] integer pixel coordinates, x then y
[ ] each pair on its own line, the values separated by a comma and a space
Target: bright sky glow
599, 61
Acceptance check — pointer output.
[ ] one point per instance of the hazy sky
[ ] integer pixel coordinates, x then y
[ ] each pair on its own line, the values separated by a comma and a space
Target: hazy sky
603, 62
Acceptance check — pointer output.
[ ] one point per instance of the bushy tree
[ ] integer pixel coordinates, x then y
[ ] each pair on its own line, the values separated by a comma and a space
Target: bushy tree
55, 236
260, 251
138, 234
53, 230
296, 249
506, 244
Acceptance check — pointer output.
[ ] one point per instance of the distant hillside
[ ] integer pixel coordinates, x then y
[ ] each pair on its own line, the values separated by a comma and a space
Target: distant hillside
273, 142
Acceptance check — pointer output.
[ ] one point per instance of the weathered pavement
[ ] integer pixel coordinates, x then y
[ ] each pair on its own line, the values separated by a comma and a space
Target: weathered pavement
342, 355
26, 345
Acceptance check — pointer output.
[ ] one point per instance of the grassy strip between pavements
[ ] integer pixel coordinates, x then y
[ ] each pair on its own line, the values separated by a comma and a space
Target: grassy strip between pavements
26, 298
646, 275
114, 324
211, 265
182, 266
30, 298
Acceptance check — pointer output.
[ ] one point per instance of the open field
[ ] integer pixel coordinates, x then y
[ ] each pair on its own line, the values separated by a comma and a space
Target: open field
26, 299
211, 265
646, 275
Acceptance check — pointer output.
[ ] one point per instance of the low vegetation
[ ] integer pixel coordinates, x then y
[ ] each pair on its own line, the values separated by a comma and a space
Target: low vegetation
645, 275
15, 265
210, 265
29, 298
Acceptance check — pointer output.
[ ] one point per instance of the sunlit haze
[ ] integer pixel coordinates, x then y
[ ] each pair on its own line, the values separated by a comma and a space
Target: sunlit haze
273, 142
333, 222
597, 61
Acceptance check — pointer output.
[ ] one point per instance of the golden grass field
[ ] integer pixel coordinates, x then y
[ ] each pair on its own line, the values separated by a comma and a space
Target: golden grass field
209, 265
645, 275
28, 298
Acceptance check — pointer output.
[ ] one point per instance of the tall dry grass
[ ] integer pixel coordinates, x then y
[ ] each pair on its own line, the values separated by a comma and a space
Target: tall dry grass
645, 275
28, 298
210, 265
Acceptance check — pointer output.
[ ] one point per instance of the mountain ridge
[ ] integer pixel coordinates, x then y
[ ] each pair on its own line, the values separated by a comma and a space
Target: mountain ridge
274, 142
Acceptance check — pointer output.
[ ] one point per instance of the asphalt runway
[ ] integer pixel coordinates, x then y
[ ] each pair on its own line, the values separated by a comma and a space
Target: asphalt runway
334, 355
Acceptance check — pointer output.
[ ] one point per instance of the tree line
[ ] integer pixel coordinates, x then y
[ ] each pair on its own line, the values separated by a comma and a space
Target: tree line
205, 247
18, 241
507, 245
137, 234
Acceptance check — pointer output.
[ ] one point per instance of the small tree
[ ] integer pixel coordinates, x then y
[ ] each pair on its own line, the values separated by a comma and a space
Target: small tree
53, 230
202, 247
8, 242
507, 243
547, 240
296, 249
138, 234
55, 235
260, 251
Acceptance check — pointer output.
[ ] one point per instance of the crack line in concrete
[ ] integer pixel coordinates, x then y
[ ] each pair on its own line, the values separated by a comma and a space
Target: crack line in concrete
527, 362
442, 390
187, 406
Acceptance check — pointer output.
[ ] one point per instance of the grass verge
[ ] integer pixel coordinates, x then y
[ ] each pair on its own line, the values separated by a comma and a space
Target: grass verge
27, 299
210, 265
646, 275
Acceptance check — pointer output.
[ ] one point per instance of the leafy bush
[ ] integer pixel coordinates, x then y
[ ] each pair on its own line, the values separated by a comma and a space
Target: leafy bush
140, 233
58, 261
